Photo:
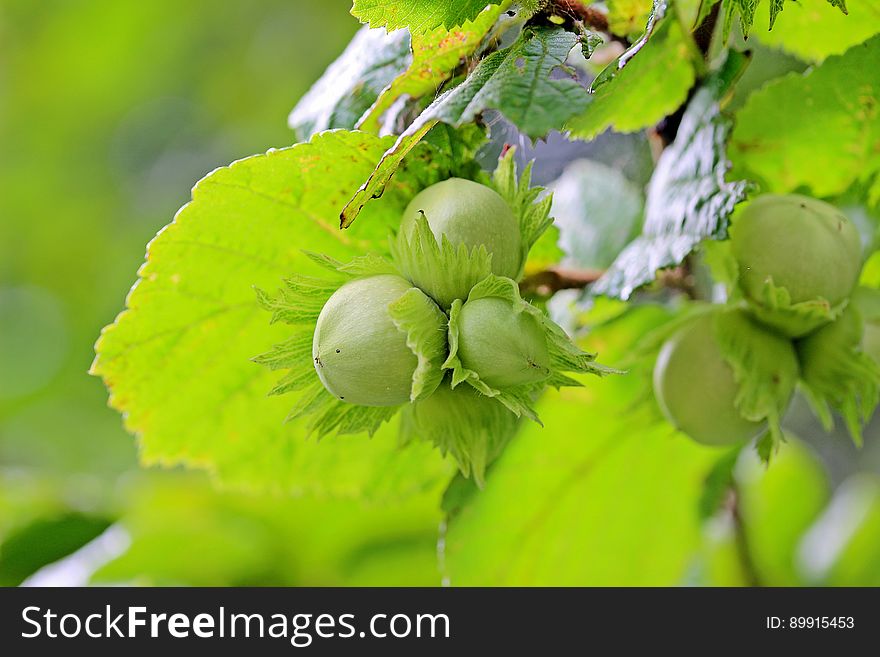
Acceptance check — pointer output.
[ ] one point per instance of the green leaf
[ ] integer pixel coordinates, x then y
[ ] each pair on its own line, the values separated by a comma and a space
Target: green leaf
418, 15
688, 197
177, 361
603, 495
516, 81
648, 82
352, 83
704, 8
778, 143
44, 541
815, 29
436, 55
598, 212
628, 17
745, 9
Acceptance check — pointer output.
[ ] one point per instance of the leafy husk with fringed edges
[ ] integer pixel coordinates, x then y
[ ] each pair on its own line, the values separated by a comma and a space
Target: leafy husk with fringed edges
299, 303
447, 271
461, 422
565, 356
835, 371
525, 201
774, 307
845, 379
764, 366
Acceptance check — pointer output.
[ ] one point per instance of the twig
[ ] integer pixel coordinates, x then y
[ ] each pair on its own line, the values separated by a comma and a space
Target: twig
576, 9
743, 550
705, 30
545, 283
584, 16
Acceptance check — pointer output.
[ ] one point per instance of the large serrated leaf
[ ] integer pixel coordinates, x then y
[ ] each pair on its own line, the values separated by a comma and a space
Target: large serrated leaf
576, 503
418, 15
688, 198
782, 145
645, 84
352, 83
177, 361
746, 11
516, 81
816, 29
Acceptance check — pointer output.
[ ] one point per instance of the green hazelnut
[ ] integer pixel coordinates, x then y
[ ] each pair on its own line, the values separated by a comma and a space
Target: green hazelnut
471, 214
504, 347
818, 351
696, 388
359, 353
801, 244
857, 327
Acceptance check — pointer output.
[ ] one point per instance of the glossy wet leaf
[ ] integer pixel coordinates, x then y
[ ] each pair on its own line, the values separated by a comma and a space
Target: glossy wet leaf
352, 83
689, 198
517, 81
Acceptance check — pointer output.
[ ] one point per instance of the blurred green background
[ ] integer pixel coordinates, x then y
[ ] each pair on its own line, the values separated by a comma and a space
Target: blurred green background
109, 112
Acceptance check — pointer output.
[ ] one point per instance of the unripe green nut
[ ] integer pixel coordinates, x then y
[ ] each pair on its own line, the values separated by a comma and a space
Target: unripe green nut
696, 389
804, 245
866, 301
473, 214
360, 355
816, 350
505, 348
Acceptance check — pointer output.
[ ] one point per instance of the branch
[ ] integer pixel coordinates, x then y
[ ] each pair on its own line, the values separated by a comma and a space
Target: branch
577, 10
583, 16
747, 563
545, 283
